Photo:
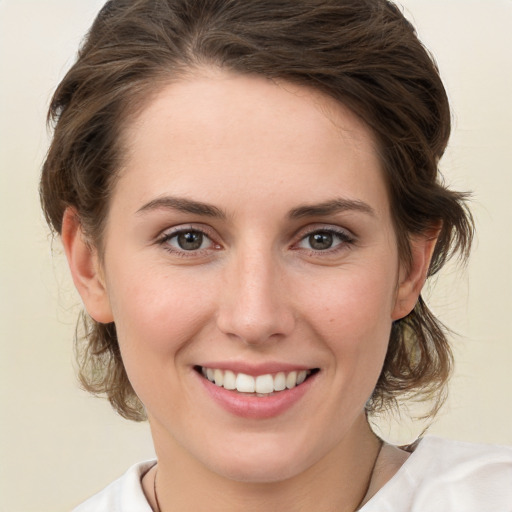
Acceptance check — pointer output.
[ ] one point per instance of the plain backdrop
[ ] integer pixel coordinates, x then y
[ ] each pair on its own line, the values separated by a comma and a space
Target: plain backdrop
59, 445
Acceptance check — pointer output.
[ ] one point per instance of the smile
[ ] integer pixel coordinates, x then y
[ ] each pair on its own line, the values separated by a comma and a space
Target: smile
259, 385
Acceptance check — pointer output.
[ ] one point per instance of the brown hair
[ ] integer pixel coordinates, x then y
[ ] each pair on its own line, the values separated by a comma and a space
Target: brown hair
363, 53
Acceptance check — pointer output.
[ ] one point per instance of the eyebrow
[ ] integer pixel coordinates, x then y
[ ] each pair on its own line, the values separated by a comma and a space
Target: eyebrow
204, 209
183, 205
331, 207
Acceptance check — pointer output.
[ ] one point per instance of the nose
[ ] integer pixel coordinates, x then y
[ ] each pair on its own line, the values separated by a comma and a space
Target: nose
254, 306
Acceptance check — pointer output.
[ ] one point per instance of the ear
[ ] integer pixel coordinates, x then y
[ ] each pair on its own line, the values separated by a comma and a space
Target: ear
412, 277
85, 268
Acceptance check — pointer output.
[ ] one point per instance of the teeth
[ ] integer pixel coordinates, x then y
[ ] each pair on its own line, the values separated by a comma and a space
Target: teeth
218, 377
261, 385
280, 381
291, 380
301, 377
229, 380
264, 384
245, 383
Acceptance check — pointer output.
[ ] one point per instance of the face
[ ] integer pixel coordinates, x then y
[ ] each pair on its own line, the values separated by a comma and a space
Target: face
251, 268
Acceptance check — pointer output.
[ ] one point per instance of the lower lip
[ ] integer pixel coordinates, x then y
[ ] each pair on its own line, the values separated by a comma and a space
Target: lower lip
254, 407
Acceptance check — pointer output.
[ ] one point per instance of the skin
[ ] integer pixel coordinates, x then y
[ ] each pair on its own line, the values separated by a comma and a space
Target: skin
256, 291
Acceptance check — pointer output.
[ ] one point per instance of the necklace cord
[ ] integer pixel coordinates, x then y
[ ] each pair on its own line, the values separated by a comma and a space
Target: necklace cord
155, 493
370, 479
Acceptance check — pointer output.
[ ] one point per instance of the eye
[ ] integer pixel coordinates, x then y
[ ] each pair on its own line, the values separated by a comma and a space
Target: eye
320, 241
325, 240
186, 240
189, 240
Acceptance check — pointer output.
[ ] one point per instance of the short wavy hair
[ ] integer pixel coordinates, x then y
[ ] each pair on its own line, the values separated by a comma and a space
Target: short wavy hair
362, 53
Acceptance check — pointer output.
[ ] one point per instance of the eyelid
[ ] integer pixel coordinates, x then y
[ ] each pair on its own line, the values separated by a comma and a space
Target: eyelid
329, 228
180, 228
347, 238
170, 233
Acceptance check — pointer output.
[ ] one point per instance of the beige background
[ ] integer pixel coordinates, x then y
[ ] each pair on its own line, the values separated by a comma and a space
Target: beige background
58, 445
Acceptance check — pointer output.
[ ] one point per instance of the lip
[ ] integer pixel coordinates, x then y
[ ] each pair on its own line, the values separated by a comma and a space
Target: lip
250, 406
254, 369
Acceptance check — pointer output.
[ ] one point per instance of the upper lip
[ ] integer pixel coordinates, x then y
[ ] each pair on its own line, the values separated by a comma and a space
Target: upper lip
255, 369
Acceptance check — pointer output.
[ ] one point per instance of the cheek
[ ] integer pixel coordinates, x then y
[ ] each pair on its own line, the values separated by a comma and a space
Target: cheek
352, 314
156, 312
156, 316
354, 299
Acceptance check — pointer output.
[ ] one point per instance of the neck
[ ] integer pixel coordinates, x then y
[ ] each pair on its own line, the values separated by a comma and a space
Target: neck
339, 482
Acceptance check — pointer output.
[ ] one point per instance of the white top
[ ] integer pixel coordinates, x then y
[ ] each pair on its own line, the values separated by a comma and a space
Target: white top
439, 476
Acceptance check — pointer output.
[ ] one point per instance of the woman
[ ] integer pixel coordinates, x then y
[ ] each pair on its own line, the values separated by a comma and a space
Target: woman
248, 197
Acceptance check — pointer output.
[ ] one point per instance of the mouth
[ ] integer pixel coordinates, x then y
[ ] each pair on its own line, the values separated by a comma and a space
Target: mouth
265, 385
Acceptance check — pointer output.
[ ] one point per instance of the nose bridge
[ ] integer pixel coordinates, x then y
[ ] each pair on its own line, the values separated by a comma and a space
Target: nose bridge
255, 306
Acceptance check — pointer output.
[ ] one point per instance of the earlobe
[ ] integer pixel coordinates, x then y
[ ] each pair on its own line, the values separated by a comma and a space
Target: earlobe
85, 268
412, 278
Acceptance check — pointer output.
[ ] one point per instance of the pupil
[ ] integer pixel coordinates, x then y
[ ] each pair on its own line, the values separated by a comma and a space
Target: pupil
321, 241
190, 241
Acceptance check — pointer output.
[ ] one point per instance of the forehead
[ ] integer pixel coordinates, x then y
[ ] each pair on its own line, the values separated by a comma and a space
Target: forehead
219, 132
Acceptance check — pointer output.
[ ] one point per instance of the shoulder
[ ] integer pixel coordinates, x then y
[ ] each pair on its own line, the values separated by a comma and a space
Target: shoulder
123, 495
473, 457
444, 476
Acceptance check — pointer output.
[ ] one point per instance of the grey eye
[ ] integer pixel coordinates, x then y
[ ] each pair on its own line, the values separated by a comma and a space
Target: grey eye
189, 240
321, 241
324, 240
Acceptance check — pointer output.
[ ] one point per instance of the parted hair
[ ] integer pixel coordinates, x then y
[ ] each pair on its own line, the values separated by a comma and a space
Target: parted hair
362, 53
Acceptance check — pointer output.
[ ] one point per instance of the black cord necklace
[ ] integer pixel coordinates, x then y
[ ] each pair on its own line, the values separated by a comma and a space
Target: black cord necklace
154, 492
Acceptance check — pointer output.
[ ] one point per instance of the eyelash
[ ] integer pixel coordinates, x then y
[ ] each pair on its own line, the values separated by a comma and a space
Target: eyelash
345, 240
166, 238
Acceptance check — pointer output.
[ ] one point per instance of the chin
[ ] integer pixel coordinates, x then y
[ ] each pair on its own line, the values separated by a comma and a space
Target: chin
264, 463
258, 472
